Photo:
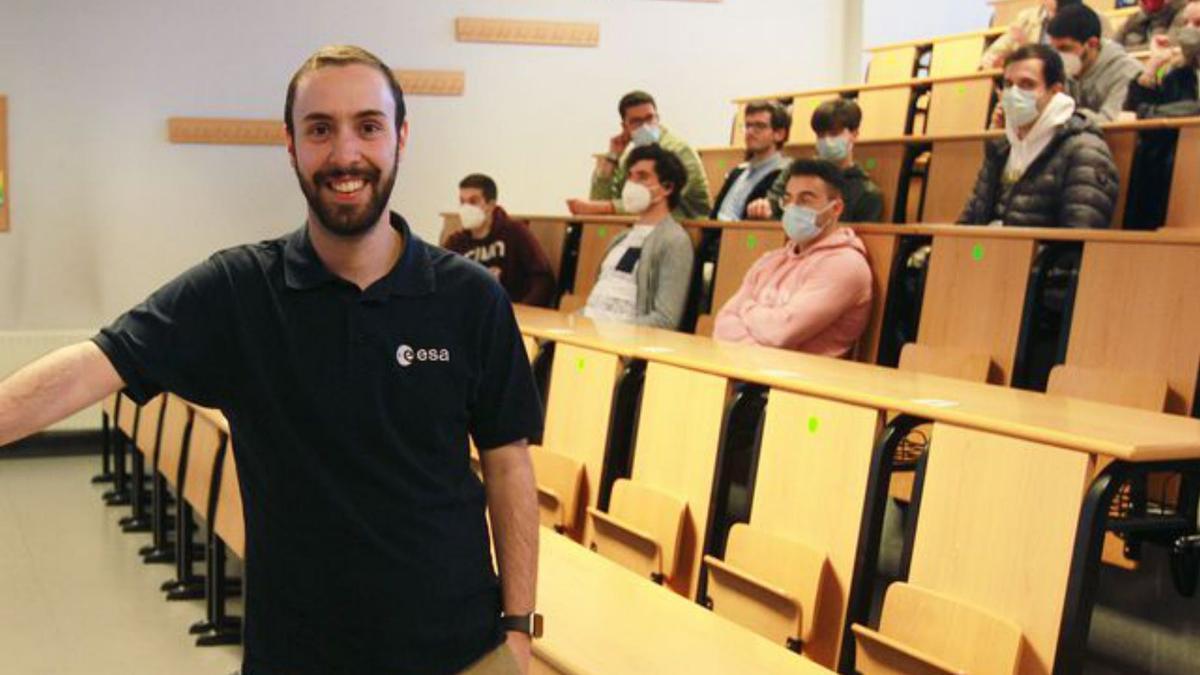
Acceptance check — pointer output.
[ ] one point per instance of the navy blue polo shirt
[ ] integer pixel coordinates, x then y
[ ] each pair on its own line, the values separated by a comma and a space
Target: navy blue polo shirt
367, 550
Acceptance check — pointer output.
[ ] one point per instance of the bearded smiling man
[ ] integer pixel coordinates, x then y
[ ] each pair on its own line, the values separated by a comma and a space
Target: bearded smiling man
352, 360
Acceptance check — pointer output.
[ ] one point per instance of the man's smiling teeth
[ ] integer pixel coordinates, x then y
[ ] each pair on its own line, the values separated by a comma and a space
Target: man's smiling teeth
348, 186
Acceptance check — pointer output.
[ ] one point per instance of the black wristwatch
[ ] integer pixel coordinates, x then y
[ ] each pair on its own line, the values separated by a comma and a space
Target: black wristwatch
529, 624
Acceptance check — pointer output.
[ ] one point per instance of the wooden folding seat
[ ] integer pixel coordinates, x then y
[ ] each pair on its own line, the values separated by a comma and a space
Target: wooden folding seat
228, 531
786, 574
569, 463
594, 240
145, 446
657, 520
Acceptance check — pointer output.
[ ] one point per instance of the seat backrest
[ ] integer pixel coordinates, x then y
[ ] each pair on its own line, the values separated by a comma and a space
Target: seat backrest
109, 405
127, 413
975, 297
1129, 389
997, 530
205, 446
881, 252
740, 249
945, 361
885, 111
148, 425
810, 487
940, 634
176, 426
594, 240
895, 64
578, 413
228, 520
957, 56
560, 483
1135, 311
1183, 208
953, 166
960, 106
679, 431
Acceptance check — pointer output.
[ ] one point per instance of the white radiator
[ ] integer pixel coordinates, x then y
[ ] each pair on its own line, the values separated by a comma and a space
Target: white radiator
18, 348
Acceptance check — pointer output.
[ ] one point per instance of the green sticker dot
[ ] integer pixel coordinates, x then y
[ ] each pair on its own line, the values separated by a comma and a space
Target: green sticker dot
977, 252
814, 425
721, 164
871, 164
961, 89
602, 232
579, 365
751, 241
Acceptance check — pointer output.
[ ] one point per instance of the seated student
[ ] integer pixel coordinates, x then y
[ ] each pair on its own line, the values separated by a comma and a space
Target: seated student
1052, 168
1029, 27
1154, 17
1171, 76
1098, 68
814, 294
640, 127
505, 247
767, 126
646, 271
836, 124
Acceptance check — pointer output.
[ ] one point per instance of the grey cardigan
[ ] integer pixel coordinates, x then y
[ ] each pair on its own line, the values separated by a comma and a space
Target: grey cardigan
664, 273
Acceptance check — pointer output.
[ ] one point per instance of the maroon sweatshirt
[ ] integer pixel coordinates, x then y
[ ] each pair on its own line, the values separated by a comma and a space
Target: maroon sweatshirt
512, 254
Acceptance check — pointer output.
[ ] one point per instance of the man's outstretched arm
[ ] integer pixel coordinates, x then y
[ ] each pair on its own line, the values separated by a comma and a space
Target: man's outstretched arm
54, 387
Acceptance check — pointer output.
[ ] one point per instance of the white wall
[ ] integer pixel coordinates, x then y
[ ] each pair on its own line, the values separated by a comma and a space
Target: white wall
104, 209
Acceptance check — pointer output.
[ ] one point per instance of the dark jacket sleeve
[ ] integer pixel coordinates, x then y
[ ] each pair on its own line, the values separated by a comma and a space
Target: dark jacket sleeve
978, 208
868, 209
537, 269
1090, 184
729, 178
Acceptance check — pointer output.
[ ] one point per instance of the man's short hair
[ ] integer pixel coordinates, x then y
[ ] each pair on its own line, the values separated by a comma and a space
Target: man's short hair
828, 172
342, 55
480, 182
667, 167
781, 119
835, 115
1079, 23
633, 99
1052, 64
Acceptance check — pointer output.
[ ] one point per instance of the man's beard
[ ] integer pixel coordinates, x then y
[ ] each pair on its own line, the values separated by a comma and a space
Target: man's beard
349, 220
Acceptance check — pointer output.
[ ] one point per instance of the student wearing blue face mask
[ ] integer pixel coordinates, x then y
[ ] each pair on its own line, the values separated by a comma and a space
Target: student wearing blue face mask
1052, 168
836, 124
814, 294
640, 127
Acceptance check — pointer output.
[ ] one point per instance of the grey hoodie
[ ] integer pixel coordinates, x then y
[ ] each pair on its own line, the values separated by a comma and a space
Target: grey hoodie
1103, 88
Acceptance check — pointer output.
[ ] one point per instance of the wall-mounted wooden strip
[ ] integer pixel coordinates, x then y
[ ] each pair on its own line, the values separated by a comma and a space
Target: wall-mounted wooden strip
432, 82
555, 33
225, 131
4, 196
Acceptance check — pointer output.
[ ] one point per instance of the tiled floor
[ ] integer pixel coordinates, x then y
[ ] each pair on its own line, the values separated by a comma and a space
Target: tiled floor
75, 597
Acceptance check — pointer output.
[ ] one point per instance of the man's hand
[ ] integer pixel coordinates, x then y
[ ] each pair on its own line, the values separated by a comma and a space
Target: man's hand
521, 646
759, 209
618, 143
587, 207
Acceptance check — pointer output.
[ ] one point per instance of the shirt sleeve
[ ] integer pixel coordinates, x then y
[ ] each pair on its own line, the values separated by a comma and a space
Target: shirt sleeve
506, 407
176, 340
836, 287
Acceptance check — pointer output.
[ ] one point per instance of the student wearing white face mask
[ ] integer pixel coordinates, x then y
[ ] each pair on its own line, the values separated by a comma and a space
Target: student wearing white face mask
836, 124
1052, 168
646, 271
640, 127
814, 294
504, 246
1098, 69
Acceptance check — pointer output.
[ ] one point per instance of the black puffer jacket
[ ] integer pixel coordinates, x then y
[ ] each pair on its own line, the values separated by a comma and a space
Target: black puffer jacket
1073, 183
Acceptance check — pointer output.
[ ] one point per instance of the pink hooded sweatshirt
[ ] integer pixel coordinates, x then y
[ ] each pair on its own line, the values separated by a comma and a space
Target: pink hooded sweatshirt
816, 301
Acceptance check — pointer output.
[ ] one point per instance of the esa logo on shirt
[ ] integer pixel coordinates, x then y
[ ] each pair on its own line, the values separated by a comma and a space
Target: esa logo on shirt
406, 355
